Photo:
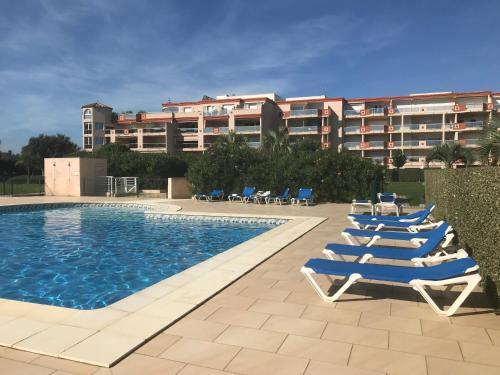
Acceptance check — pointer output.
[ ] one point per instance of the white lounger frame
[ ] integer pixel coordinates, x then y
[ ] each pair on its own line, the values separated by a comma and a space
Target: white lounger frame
472, 280
428, 224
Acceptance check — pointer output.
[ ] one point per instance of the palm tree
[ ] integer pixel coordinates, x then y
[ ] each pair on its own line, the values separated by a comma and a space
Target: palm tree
490, 141
277, 141
450, 154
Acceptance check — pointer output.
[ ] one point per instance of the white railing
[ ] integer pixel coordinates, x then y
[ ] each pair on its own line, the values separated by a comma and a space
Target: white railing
304, 112
376, 128
473, 124
434, 126
120, 185
475, 107
376, 111
411, 143
411, 127
433, 142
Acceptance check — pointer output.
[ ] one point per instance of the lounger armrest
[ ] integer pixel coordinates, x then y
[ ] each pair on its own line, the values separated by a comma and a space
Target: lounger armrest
460, 254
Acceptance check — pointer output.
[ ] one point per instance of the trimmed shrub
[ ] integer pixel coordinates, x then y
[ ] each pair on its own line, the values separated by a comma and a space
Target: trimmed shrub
469, 199
406, 175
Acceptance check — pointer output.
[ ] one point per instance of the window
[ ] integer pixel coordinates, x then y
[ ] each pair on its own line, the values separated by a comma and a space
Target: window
87, 128
87, 114
210, 108
99, 140
98, 126
188, 109
251, 105
87, 142
228, 107
298, 107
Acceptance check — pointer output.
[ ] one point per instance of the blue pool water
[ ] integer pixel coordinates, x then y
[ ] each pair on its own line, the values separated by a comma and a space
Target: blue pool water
90, 257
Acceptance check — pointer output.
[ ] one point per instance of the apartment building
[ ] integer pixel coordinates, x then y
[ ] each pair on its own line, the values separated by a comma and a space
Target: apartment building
375, 127
369, 127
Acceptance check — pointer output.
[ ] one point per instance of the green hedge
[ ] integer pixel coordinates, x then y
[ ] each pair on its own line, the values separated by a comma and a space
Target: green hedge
405, 175
469, 199
414, 191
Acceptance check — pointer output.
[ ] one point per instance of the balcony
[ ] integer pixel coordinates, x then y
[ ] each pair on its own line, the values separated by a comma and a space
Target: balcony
247, 129
127, 117
423, 109
188, 132
154, 145
475, 107
433, 142
394, 128
351, 146
154, 131
375, 111
468, 125
351, 130
413, 144
373, 145
217, 112
248, 110
434, 126
411, 127
308, 112
351, 113
216, 131
303, 130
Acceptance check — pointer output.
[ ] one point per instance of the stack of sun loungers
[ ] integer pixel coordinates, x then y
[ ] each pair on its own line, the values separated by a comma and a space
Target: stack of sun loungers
430, 260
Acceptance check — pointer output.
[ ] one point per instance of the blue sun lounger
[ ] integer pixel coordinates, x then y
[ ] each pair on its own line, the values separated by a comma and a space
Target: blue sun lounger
428, 252
409, 217
245, 196
352, 235
411, 225
457, 271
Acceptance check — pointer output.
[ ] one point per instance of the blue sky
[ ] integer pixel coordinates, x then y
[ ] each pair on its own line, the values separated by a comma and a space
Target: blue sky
134, 55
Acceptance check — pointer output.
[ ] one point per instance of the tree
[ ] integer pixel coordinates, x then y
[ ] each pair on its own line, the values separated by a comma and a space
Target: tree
44, 146
450, 154
398, 161
277, 141
490, 142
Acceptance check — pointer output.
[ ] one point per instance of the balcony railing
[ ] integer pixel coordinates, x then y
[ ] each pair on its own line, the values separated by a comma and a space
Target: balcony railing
153, 130
351, 113
375, 144
303, 129
376, 111
479, 107
188, 130
304, 112
220, 130
216, 112
154, 145
424, 108
433, 142
376, 128
411, 127
253, 144
351, 130
474, 124
434, 126
411, 143
351, 145
247, 129
127, 116
396, 128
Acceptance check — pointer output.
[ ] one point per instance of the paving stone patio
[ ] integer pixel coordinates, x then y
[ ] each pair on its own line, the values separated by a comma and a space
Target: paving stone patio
271, 322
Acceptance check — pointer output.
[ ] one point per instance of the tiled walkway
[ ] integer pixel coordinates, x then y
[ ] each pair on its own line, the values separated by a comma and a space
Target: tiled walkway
271, 322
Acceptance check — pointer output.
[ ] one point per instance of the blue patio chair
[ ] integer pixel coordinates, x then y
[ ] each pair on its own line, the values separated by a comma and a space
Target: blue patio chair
282, 198
388, 202
245, 196
305, 195
216, 194
429, 250
457, 271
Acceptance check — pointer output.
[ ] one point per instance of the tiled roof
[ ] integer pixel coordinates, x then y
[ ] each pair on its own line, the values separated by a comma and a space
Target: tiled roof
96, 105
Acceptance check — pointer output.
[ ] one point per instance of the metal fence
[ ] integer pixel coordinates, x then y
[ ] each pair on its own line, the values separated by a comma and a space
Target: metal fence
22, 185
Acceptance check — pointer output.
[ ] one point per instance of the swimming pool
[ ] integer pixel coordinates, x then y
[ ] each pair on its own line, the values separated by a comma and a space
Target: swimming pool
88, 257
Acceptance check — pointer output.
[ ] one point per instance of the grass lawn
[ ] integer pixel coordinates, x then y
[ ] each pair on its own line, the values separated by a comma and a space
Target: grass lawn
414, 191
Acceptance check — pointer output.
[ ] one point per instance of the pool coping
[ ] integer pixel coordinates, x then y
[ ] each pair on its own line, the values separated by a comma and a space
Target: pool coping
104, 336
